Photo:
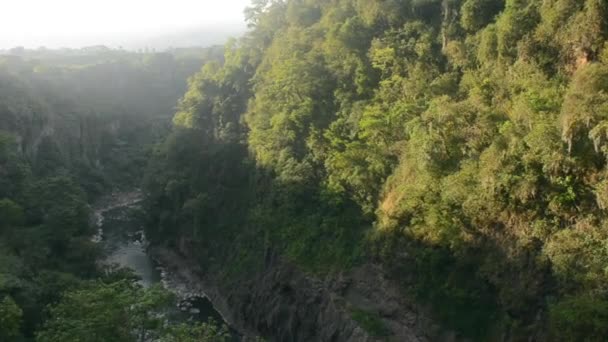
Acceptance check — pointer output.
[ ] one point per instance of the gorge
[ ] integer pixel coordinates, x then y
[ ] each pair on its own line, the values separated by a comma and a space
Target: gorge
347, 170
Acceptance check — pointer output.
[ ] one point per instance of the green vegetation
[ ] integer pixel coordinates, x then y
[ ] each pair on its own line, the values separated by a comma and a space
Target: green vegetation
462, 142
121, 311
104, 312
203, 332
371, 323
67, 136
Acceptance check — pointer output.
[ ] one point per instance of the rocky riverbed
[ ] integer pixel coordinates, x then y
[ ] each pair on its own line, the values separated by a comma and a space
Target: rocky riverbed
118, 219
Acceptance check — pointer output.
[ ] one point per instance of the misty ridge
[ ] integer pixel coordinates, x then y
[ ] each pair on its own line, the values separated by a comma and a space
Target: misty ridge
171, 39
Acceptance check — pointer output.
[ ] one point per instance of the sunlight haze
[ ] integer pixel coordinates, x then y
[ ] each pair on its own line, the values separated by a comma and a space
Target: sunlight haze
75, 23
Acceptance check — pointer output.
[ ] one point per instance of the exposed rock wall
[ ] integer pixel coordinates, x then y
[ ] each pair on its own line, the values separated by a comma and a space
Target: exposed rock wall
284, 304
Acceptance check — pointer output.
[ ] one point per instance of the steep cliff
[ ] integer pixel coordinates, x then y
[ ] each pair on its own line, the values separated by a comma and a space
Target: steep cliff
283, 303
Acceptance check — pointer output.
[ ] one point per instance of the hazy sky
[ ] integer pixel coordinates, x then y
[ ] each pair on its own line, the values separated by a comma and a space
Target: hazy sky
73, 23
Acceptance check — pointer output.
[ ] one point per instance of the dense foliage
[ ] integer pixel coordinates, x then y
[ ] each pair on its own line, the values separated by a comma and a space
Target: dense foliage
460, 143
70, 129
121, 311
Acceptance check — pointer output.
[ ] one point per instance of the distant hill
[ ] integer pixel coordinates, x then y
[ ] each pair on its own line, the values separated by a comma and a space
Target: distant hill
195, 37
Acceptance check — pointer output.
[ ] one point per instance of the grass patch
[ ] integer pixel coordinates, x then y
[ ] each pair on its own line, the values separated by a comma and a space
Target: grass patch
370, 322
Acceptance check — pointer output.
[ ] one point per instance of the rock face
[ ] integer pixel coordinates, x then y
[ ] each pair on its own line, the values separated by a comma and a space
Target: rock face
284, 304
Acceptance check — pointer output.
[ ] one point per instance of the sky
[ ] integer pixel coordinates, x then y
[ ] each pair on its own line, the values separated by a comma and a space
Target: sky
77, 23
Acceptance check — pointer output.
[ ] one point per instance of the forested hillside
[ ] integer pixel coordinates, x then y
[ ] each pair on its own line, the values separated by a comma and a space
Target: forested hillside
459, 144
93, 111
72, 129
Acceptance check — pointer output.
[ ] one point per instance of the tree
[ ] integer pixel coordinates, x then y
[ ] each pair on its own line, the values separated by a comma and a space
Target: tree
201, 332
11, 214
120, 311
478, 13
10, 319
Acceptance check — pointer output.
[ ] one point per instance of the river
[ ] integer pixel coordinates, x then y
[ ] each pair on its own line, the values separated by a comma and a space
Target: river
119, 222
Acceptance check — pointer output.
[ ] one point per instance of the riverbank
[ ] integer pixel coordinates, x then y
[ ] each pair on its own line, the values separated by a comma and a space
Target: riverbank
118, 219
110, 202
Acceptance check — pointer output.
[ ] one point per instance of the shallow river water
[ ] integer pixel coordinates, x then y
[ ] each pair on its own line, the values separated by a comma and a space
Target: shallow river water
120, 233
